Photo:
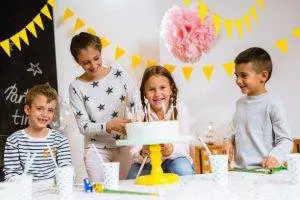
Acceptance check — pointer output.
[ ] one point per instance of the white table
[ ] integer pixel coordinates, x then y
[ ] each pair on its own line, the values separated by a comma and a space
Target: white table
245, 186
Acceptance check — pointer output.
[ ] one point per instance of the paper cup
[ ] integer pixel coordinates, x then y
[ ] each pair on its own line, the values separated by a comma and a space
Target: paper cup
219, 166
111, 175
294, 167
64, 179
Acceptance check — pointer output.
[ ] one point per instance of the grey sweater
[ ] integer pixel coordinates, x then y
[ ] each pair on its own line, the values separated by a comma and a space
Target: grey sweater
260, 129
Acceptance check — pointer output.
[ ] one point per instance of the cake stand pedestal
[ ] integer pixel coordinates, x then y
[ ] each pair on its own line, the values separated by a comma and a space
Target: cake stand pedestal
157, 176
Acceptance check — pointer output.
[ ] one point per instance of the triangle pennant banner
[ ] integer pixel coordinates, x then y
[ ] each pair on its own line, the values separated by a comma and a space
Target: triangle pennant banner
105, 42
5, 46
169, 67
228, 27
67, 14
38, 21
23, 36
253, 13
16, 40
151, 62
247, 21
31, 29
229, 68
52, 3
239, 27
261, 4
46, 12
187, 3
187, 71
208, 71
119, 53
202, 10
135, 60
296, 33
282, 45
91, 31
217, 23
78, 24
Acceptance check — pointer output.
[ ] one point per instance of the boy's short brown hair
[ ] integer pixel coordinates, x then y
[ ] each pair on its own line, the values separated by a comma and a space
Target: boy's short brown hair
43, 89
259, 57
82, 41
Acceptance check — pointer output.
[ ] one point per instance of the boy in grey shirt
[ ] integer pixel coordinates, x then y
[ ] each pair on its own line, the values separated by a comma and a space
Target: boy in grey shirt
261, 135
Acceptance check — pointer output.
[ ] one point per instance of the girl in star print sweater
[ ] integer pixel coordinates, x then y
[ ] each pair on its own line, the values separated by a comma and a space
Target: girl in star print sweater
98, 98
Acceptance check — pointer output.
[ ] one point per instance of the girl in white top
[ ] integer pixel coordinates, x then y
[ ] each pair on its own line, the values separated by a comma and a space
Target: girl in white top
159, 88
98, 98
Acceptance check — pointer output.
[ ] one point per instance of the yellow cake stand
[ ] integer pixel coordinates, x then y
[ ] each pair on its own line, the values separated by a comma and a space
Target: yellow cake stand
157, 176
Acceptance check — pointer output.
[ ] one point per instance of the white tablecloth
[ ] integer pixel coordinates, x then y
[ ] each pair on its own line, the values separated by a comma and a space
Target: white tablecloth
245, 186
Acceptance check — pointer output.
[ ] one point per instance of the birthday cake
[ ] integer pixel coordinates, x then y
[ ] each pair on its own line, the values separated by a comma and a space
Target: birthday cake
155, 132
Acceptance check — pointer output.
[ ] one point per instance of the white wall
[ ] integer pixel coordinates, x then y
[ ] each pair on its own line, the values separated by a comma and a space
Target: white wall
134, 24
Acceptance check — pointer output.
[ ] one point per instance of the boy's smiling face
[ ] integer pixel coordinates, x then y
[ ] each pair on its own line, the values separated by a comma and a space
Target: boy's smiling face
40, 112
251, 82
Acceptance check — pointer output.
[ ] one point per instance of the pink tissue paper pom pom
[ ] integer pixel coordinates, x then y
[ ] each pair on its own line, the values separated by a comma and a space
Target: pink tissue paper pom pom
185, 36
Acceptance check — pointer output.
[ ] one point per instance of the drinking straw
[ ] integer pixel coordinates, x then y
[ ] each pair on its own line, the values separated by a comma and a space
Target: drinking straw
205, 146
100, 158
52, 156
141, 167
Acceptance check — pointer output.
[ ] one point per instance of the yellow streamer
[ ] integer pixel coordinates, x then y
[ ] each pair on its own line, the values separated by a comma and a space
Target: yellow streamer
78, 24
23, 36
151, 62
296, 33
217, 23
282, 45
38, 21
105, 42
46, 12
31, 28
239, 27
67, 14
228, 27
119, 53
135, 60
91, 31
187, 3
229, 68
6, 47
203, 9
247, 21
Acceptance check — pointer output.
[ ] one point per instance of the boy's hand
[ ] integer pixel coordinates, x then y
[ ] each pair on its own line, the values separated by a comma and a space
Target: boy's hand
166, 149
270, 162
145, 151
117, 125
228, 149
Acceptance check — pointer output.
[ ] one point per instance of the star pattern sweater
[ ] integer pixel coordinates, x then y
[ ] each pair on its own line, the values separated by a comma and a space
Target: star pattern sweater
95, 103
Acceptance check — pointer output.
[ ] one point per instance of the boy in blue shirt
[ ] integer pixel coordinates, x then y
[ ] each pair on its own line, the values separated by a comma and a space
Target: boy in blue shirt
261, 135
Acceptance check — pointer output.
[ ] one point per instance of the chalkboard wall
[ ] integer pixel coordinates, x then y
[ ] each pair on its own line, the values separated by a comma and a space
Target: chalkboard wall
34, 64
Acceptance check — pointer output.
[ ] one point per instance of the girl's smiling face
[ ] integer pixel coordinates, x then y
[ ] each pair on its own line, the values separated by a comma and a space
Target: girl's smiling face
158, 91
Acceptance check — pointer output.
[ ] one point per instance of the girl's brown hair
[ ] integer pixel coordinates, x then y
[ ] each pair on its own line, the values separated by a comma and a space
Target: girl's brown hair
159, 71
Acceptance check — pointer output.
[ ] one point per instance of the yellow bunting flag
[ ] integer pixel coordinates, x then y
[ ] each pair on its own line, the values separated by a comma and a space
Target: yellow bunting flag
78, 24
228, 27
105, 42
119, 53
296, 33
282, 45
253, 13
217, 23
91, 31
135, 61
52, 3
187, 3
23, 36
202, 10
151, 62
229, 68
261, 4
239, 27
247, 22
38, 21
16, 40
6, 47
169, 67
31, 28
187, 71
208, 71
67, 14
46, 12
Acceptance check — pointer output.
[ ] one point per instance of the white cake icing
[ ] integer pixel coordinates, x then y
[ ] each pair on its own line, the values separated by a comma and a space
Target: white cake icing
149, 131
